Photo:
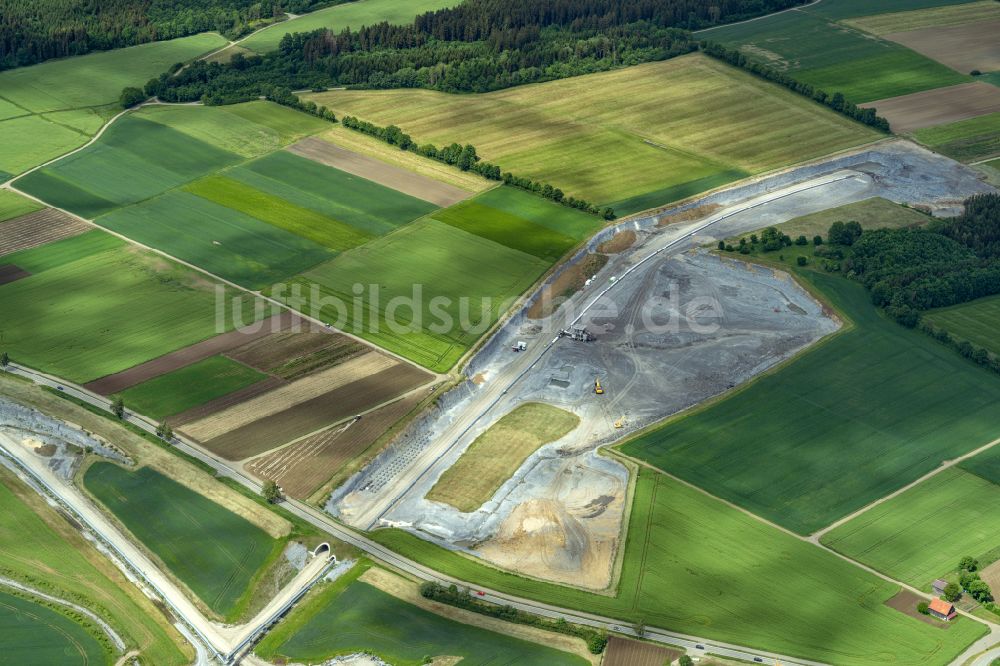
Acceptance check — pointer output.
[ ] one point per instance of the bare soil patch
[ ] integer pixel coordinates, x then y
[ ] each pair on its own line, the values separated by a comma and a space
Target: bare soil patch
565, 285
937, 107
401, 180
302, 468
183, 357
626, 652
307, 415
620, 242
11, 273
226, 401
695, 213
38, 228
991, 576
407, 591
289, 396
906, 602
291, 355
961, 47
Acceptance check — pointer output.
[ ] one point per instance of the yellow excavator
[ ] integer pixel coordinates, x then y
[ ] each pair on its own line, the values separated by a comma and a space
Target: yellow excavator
622, 422
597, 386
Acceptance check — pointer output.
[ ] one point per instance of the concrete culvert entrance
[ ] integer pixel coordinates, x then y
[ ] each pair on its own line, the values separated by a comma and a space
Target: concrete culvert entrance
322, 549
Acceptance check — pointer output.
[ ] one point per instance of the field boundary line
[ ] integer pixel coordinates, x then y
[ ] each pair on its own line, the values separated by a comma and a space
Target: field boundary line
947, 464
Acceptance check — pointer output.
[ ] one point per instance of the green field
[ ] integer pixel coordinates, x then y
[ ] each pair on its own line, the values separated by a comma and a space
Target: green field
522, 221
135, 159
855, 418
902, 537
346, 15
52, 108
40, 548
365, 205
985, 465
975, 321
13, 205
841, 9
94, 306
350, 616
189, 387
810, 45
693, 564
268, 208
462, 283
250, 129
967, 140
216, 553
33, 634
933, 17
223, 241
691, 123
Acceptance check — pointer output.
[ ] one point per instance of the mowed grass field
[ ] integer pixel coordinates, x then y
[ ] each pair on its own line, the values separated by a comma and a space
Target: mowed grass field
190, 386
949, 14
345, 15
459, 268
920, 535
216, 553
496, 454
853, 419
350, 616
54, 107
695, 565
811, 45
40, 548
94, 305
976, 321
692, 123
966, 140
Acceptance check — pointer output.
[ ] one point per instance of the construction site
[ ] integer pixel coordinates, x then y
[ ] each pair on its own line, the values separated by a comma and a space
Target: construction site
663, 326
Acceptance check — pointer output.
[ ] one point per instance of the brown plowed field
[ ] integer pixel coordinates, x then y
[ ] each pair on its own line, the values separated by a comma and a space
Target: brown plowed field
991, 575
937, 107
38, 228
226, 401
12, 273
401, 180
289, 396
183, 357
961, 47
301, 416
302, 468
626, 652
291, 355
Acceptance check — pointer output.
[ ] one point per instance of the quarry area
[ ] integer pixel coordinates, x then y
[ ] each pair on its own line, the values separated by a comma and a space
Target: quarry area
672, 325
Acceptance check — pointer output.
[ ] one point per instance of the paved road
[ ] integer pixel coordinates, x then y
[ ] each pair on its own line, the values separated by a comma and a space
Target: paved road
194, 618
223, 641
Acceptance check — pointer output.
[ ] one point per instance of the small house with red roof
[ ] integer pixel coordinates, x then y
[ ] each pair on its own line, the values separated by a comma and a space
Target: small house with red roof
941, 609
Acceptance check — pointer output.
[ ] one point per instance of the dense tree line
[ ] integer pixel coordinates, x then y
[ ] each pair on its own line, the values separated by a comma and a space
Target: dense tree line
32, 31
478, 46
911, 270
835, 101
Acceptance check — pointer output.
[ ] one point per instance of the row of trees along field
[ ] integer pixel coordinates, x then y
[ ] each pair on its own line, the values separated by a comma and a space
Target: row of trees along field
32, 31
835, 101
478, 46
